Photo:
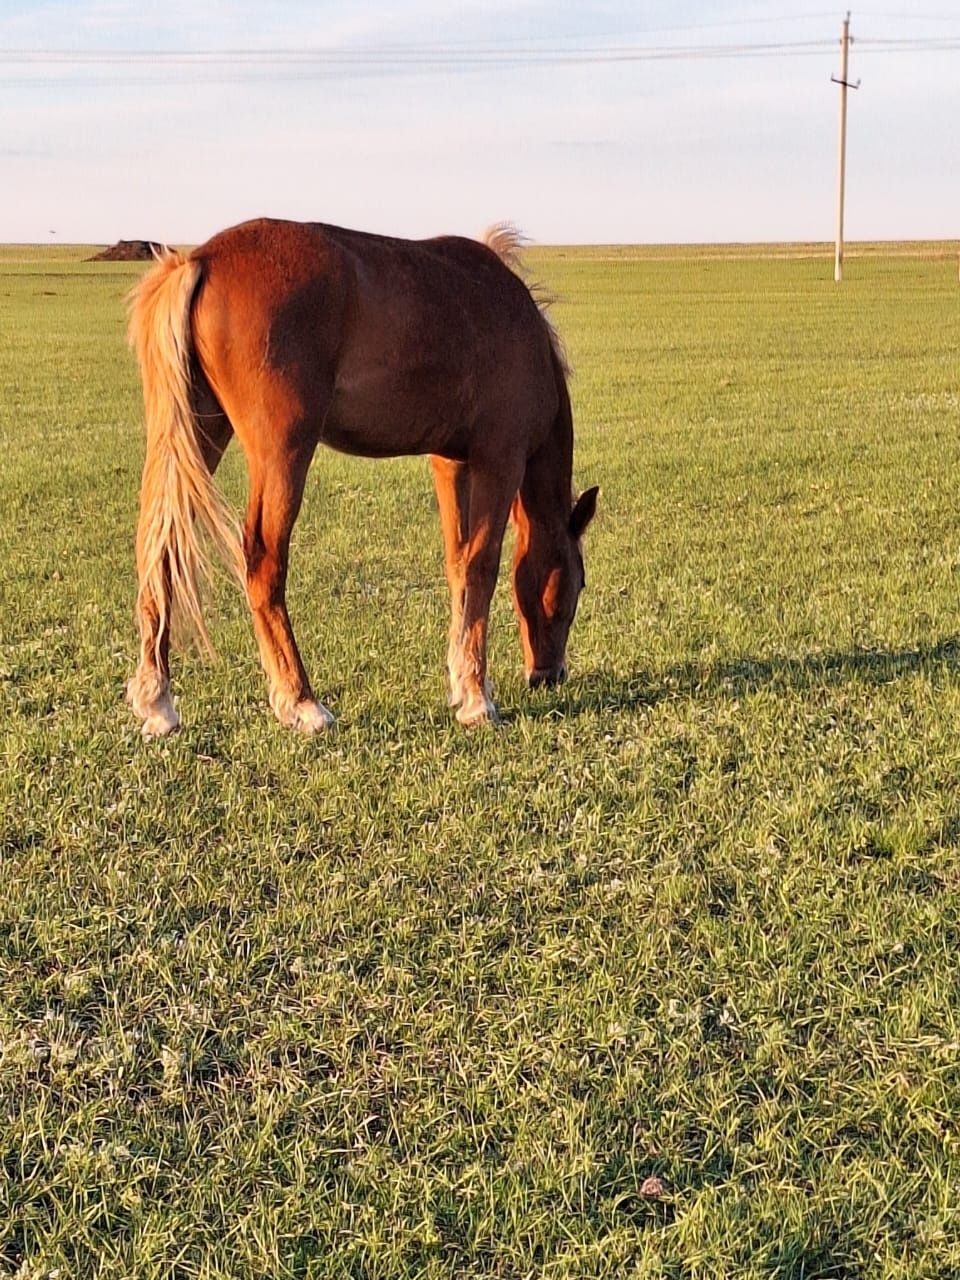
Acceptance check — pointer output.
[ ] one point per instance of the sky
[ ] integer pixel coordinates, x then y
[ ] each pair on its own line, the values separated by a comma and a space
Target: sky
420, 117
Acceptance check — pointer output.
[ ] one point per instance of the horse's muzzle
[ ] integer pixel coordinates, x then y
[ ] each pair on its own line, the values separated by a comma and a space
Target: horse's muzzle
546, 677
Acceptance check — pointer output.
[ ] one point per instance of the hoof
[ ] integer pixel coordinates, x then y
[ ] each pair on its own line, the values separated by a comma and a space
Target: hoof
161, 724
459, 696
459, 689
546, 677
158, 714
479, 710
309, 716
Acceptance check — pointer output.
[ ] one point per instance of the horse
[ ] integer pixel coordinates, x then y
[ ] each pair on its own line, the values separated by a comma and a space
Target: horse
292, 334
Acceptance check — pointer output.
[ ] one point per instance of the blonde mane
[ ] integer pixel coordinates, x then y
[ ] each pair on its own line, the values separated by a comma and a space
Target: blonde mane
507, 241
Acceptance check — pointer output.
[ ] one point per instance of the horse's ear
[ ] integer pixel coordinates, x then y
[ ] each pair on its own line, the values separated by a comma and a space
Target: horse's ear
583, 511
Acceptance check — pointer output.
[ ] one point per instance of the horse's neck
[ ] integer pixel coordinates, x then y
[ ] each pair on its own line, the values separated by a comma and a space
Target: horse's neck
545, 497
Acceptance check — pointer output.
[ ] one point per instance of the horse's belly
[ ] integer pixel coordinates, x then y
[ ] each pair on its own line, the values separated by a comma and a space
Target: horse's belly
385, 417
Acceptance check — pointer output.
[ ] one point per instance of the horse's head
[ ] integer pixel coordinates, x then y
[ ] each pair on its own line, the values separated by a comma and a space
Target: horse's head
547, 580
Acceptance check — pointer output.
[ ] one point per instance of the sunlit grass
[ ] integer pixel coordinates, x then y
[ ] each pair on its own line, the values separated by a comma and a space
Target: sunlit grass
409, 1001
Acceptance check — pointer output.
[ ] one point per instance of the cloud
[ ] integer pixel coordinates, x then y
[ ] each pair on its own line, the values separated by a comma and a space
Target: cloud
185, 24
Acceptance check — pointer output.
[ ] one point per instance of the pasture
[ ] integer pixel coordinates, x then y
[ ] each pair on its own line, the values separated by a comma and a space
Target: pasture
660, 979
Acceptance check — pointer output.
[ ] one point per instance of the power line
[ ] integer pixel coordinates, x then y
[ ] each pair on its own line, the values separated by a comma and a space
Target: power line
473, 53
399, 54
906, 43
913, 17
383, 60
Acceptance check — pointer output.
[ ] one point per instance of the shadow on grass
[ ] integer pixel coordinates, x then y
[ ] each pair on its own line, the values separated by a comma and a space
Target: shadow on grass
736, 678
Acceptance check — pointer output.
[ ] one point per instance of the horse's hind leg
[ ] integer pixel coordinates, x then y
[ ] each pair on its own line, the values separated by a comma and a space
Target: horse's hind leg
148, 691
451, 482
276, 491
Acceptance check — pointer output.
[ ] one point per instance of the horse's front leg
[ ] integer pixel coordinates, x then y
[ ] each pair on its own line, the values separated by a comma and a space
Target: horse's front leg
451, 481
490, 496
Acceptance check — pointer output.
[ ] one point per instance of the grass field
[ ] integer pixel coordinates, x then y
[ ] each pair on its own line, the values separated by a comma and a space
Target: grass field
658, 980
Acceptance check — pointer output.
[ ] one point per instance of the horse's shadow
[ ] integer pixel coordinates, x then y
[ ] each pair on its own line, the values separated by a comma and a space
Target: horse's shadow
739, 677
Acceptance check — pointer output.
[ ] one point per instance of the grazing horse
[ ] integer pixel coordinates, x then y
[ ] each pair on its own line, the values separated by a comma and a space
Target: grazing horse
295, 334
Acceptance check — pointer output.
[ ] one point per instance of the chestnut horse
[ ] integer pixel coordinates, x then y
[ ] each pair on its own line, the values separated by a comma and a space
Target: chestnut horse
292, 334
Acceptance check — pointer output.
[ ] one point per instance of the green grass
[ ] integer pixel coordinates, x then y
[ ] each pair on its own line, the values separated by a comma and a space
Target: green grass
412, 1002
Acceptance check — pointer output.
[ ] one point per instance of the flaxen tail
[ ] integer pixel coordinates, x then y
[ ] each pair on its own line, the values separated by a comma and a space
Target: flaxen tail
177, 495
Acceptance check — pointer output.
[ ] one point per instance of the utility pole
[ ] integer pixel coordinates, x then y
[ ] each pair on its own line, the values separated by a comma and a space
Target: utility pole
844, 84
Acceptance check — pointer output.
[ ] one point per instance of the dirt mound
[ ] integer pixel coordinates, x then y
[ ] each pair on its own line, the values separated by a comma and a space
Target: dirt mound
127, 251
